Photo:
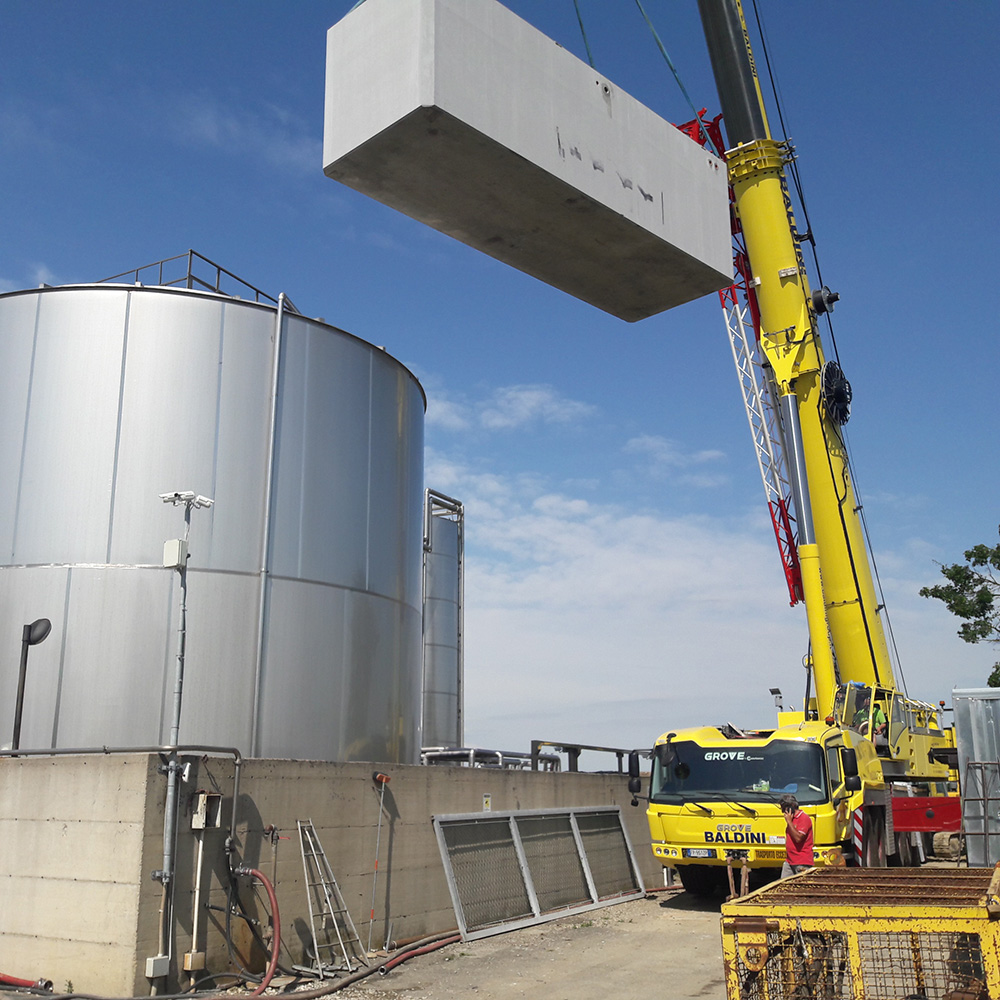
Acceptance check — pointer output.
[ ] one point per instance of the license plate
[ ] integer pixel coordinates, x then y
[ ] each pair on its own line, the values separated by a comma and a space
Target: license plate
700, 852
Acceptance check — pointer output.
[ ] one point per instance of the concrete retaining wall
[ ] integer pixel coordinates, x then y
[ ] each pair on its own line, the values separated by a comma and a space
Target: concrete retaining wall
82, 835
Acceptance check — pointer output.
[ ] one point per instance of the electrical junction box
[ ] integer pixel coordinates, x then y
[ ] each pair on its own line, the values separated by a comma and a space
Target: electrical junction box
462, 115
157, 966
175, 551
206, 811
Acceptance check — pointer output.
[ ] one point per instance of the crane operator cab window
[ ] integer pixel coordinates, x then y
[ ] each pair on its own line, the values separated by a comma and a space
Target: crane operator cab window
863, 709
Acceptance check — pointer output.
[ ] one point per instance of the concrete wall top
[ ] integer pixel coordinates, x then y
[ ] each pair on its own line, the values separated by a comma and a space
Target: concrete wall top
460, 114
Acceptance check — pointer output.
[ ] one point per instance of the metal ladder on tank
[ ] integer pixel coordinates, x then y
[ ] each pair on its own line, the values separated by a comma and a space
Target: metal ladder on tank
327, 912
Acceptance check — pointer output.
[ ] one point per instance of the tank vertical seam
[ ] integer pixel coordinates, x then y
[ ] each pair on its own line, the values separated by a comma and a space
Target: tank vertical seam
62, 659
24, 431
368, 499
304, 446
218, 420
118, 426
265, 542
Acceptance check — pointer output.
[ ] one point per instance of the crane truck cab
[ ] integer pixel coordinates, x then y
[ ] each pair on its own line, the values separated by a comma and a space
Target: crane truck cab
714, 793
904, 732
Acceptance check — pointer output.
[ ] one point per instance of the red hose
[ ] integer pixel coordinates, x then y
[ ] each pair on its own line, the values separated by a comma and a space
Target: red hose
399, 959
36, 984
275, 923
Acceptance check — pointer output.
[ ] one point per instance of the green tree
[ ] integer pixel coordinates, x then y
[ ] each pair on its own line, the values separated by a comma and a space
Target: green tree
972, 593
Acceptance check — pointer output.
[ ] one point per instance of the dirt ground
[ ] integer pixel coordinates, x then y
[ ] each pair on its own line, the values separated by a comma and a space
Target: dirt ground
666, 944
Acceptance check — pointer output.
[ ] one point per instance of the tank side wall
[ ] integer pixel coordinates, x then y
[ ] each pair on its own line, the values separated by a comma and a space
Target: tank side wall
119, 394
17, 340
354, 652
66, 475
194, 417
321, 462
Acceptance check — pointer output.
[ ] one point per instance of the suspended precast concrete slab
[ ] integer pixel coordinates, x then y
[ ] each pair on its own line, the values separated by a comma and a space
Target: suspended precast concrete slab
462, 115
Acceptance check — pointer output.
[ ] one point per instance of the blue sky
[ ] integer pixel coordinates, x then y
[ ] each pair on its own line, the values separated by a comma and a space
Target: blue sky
621, 577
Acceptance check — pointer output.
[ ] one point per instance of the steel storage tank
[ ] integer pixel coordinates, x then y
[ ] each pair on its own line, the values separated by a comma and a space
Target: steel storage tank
444, 556
304, 589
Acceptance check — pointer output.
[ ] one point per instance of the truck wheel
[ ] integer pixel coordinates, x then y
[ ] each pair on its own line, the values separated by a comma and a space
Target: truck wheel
873, 839
908, 855
700, 880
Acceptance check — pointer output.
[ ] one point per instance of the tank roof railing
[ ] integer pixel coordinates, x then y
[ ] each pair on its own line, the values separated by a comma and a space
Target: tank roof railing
189, 279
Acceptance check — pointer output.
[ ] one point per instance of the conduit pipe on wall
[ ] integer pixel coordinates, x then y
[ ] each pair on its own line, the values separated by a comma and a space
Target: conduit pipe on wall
265, 542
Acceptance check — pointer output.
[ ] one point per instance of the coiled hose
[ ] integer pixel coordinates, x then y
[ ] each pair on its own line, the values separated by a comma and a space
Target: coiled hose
272, 966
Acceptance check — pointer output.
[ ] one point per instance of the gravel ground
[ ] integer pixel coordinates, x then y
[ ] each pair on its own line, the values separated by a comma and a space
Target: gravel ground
666, 944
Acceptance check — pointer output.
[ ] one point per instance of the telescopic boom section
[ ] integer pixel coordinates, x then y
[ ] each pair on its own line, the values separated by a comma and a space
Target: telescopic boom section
838, 588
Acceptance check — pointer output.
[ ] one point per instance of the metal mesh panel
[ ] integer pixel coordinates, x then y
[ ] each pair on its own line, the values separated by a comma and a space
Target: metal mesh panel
550, 850
607, 854
512, 869
487, 872
931, 965
802, 964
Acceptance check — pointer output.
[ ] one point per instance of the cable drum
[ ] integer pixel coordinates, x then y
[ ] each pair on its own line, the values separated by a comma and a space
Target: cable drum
836, 392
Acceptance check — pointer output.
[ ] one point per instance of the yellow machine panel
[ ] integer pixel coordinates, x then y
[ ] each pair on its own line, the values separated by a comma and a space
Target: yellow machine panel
866, 934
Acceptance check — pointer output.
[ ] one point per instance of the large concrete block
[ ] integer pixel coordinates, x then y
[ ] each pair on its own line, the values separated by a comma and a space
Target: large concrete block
461, 115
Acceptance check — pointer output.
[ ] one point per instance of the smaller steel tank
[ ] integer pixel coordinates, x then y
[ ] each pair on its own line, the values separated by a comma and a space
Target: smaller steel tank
444, 533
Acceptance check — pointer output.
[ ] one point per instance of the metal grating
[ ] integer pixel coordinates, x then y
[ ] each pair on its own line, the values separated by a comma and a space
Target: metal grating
512, 869
552, 858
799, 964
603, 839
931, 965
866, 934
485, 865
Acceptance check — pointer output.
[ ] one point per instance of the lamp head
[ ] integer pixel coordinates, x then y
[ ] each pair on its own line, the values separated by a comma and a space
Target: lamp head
37, 631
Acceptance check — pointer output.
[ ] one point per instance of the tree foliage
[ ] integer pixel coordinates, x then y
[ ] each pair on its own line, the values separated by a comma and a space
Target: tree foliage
972, 593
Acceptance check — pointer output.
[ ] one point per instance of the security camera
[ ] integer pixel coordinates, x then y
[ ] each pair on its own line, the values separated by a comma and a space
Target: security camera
200, 501
178, 496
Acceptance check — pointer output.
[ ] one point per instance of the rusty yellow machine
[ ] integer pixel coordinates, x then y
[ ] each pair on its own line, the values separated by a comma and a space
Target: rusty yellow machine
851, 934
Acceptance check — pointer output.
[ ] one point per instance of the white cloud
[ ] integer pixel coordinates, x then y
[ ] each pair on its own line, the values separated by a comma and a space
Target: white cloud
666, 459
38, 274
29, 128
271, 134
519, 405
589, 622
506, 408
41, 275
448, 414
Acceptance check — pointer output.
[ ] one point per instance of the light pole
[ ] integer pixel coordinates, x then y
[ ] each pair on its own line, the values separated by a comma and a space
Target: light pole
31, 635
175, 556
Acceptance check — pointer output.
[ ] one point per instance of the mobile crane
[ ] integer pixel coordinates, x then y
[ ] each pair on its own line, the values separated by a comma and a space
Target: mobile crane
714, 790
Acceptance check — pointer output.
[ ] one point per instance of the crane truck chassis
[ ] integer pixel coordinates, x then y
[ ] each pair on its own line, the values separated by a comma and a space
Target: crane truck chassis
714, 792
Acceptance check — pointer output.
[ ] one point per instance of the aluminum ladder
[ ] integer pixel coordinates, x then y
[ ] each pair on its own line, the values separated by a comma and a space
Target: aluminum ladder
327, 912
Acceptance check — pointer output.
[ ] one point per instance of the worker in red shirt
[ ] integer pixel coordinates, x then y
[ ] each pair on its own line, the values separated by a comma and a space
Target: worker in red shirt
798, 837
